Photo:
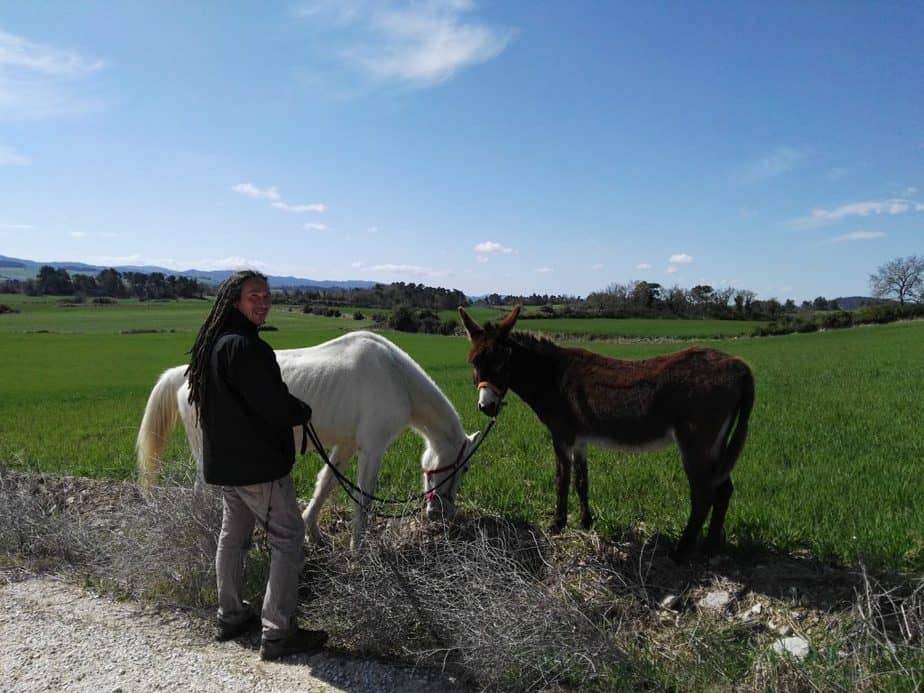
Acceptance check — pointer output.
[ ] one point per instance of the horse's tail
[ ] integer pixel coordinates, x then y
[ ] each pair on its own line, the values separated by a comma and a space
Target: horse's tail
159, 419
735, 442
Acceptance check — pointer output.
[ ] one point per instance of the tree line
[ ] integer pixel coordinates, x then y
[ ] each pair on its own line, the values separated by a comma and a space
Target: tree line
642, 299
384, 296
901, 279
110, 283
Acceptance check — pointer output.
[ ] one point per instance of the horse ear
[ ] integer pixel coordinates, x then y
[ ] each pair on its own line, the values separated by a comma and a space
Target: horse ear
503, 329
471, 327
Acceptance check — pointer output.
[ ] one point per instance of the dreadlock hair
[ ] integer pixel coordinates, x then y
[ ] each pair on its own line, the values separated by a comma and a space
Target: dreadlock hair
198, 371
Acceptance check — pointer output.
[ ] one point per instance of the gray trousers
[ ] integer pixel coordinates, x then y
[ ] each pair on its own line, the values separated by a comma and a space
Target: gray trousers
274, 506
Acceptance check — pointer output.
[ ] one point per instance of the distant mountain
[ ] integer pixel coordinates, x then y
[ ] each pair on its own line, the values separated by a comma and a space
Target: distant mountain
213, 276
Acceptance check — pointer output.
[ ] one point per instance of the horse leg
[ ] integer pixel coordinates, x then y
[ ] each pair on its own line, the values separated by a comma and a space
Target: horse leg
697, 467
339, 456
580, 485
367, 473
715, 537
562, 480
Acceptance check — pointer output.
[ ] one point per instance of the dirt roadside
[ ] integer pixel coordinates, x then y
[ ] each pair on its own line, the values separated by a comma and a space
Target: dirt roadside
59, 636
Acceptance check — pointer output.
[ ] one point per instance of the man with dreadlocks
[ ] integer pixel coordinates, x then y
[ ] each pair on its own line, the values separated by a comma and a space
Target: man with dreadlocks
246, 414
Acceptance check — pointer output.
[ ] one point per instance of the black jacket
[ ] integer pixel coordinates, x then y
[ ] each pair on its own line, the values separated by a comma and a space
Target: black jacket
246, 411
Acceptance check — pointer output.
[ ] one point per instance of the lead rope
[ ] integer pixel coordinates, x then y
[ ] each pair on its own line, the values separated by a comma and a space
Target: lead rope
309, 432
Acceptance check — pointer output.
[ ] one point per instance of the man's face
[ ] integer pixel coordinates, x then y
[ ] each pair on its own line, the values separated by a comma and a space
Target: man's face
255, 300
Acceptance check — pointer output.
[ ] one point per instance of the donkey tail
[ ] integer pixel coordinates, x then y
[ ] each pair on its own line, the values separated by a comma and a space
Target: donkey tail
735, 443
159, 419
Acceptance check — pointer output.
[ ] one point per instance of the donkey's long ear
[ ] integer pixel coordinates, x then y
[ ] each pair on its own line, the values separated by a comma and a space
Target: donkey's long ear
505, 325
471, 327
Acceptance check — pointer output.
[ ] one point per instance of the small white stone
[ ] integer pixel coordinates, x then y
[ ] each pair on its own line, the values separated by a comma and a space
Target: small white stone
795, 647
670, 602
715, 601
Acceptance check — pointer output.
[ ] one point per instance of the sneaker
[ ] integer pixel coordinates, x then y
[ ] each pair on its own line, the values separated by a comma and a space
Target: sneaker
228, 631
299, 641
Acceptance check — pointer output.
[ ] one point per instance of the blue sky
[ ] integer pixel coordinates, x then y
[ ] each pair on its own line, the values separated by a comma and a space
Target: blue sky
517, 147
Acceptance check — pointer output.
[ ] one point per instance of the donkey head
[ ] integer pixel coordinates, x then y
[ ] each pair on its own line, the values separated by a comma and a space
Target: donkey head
490, 356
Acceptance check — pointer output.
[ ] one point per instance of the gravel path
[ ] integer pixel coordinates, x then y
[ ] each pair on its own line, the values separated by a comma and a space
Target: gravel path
57, 636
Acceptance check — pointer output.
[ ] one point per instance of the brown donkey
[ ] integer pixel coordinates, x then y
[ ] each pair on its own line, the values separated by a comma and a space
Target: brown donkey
694, 397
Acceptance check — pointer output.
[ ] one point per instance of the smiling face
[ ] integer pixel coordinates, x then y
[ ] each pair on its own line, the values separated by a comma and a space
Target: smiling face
254, 302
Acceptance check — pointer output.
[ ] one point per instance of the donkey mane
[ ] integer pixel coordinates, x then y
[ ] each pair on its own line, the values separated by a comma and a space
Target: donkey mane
533, 341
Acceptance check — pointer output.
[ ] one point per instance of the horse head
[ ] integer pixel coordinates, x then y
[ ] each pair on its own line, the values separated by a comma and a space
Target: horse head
443, 476
490, 358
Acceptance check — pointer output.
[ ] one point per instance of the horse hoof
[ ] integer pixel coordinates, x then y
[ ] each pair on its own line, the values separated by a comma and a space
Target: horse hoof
555, 528
587, 522
313, 537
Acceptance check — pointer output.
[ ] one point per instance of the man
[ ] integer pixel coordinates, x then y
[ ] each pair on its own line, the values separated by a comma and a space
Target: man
246, 414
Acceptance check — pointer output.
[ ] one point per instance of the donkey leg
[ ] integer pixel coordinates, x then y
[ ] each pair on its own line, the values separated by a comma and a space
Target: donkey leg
339, 457
562, 481
580, 485
715, 537
697, 466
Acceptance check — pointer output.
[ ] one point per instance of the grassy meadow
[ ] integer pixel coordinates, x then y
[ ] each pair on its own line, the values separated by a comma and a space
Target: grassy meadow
831, 468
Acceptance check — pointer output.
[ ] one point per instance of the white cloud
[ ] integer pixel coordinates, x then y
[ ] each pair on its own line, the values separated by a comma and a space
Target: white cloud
411, 270
234, 262
643, 266
415, 43
112, 260
251, 190
863, 209
779, 161
315, 227
357, 264
299, 209
92, 234
10, 157
492, 248
272, 194
597, 266
858, 236
372, 229
671, 269
544, 270
19, 53
680, 259
36, 80
482, 258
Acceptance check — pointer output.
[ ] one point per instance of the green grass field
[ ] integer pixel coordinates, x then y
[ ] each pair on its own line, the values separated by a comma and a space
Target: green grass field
604, 328
612, 328
832, 464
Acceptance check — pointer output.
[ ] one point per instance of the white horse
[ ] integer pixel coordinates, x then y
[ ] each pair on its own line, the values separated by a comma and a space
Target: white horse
363, 391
